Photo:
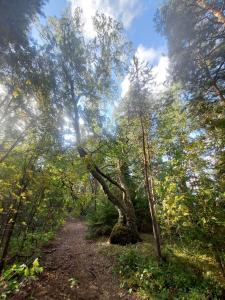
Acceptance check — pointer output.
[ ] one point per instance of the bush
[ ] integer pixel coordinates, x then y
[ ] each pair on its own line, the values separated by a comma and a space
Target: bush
141, 206
169, 280
101, 220
13, 277
122, 235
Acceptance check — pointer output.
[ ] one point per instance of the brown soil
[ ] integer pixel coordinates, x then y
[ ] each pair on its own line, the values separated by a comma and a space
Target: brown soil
74, 268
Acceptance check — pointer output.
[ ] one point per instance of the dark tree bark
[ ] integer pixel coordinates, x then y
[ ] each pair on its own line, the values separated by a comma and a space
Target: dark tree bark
124, 181
129, 233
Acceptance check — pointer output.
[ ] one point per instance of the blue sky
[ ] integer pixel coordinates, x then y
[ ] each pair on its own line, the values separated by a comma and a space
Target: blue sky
137, 17
140, 31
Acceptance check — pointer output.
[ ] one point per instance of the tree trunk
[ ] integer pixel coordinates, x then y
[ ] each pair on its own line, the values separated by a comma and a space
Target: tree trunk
121, 217
94, 188
11, 224
130, 215
150, 194
124, 213
219, 92
125, 233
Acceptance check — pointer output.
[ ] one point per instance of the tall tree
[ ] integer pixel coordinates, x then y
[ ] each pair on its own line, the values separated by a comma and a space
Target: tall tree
188, 187
140, 104
85, 71
196, 42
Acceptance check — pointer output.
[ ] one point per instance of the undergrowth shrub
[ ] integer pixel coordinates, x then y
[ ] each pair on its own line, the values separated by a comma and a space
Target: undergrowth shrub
169, 280
15, 276
17, 272
32, 244
122, 235
143, 217
102, 219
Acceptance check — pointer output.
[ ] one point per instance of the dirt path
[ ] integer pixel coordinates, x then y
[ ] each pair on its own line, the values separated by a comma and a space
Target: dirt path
74, 269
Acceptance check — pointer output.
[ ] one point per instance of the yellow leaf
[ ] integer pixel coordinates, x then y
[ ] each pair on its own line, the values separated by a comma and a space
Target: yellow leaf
23, 195
28, 82
16, 93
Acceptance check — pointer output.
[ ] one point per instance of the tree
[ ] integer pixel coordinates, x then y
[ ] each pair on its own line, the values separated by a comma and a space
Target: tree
217, 9
196, 42
189, 190
84, 74
25, 104
140, 104
26, 186
15, 19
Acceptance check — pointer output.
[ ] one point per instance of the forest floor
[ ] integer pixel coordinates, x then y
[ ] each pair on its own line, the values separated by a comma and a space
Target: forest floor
74, 268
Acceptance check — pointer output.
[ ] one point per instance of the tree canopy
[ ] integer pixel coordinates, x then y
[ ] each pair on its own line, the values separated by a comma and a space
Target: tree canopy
158, 169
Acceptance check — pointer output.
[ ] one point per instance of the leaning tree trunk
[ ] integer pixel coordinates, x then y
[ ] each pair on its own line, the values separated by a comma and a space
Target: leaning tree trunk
125, 231
121, 233
130, 217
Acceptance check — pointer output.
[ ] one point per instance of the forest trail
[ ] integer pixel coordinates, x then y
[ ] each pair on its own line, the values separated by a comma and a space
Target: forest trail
74, 269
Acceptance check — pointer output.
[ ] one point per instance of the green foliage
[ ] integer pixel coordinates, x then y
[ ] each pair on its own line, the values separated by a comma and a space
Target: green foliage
196, 50
168, 280
102, 219
190, 205
14, 276
69, 77
141, 206
21, 13
33, 202
122, 235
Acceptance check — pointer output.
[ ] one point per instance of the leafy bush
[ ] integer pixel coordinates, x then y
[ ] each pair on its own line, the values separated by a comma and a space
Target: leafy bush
13, 277
144, 222
170, 280
102, 219
122, 235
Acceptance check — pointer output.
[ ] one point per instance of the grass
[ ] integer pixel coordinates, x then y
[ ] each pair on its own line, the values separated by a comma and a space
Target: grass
186, 274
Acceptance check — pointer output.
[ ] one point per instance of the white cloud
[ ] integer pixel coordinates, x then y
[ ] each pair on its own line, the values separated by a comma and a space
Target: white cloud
3, 90
160, 65
160, 72
147, 54
122, 10
125, 86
